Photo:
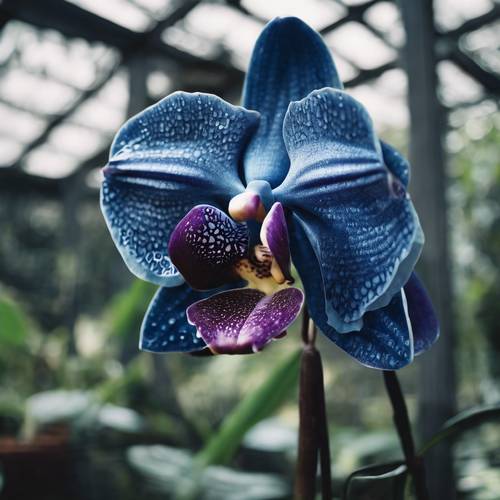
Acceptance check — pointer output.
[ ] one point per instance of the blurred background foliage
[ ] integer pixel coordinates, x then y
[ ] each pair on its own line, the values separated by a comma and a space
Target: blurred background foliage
85, 415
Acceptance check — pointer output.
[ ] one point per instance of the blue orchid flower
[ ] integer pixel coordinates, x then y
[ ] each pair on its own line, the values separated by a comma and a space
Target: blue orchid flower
213, 202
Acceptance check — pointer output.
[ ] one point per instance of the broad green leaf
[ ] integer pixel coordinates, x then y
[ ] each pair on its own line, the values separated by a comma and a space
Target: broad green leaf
463, 422
255, 407
14, 327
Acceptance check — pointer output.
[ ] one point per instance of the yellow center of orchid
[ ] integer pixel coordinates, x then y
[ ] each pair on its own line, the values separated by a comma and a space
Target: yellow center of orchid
261, 270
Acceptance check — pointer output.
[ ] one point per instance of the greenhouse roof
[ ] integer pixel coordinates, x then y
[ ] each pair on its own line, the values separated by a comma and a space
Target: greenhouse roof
64, 89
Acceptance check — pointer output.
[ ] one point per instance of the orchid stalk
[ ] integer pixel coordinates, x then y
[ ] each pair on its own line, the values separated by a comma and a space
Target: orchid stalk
215, 203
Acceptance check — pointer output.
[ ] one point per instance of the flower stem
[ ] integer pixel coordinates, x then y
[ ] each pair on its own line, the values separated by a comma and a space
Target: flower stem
313, 426
402, 422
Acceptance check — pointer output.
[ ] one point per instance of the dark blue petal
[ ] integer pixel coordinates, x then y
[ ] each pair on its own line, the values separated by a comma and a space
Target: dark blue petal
385, 340
140, 220
165, 327
364, 232
288, 62
424, 322
181, 152
396, 163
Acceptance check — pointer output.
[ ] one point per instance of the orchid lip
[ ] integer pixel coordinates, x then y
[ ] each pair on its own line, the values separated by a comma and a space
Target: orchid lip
244, 320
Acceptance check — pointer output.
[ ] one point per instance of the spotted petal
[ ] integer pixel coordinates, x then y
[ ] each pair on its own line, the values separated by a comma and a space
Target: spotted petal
289, 61
205, 245
165, 327
385, 340
244, 320
181, 152
423, 318
364, 232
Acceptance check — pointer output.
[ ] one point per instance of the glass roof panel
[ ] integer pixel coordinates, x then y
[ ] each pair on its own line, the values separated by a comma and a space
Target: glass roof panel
356, 44
154, 8
385, 100
352, 2
484, 44
211, 28
11, 149
19, 125
115, 92
450, 14
74, 64
47, 53
49, 162
77, 140
346, 70
385, 17
35, 92
97, 114
119, 11
317, 13
43, 72
456, 87
189, 42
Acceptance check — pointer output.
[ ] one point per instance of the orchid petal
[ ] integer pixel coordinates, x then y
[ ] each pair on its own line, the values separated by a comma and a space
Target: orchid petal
274, 235
365, 235
396, 163
181, 152
385, 340
244, 320
205, 245
165, 327
289, 60
423, 318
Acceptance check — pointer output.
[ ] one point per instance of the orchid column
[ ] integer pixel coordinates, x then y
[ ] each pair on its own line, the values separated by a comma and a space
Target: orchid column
214, 203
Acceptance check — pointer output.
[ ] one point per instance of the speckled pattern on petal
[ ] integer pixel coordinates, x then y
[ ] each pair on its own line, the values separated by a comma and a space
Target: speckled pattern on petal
385, 340
244, 320
205, 245
165, 327
183, 151
140, 221
272, 315
366, 238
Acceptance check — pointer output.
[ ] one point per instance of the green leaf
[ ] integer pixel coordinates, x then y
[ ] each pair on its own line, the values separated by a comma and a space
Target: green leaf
14, 327
255, 407
128, 308
461, 423
378, 482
